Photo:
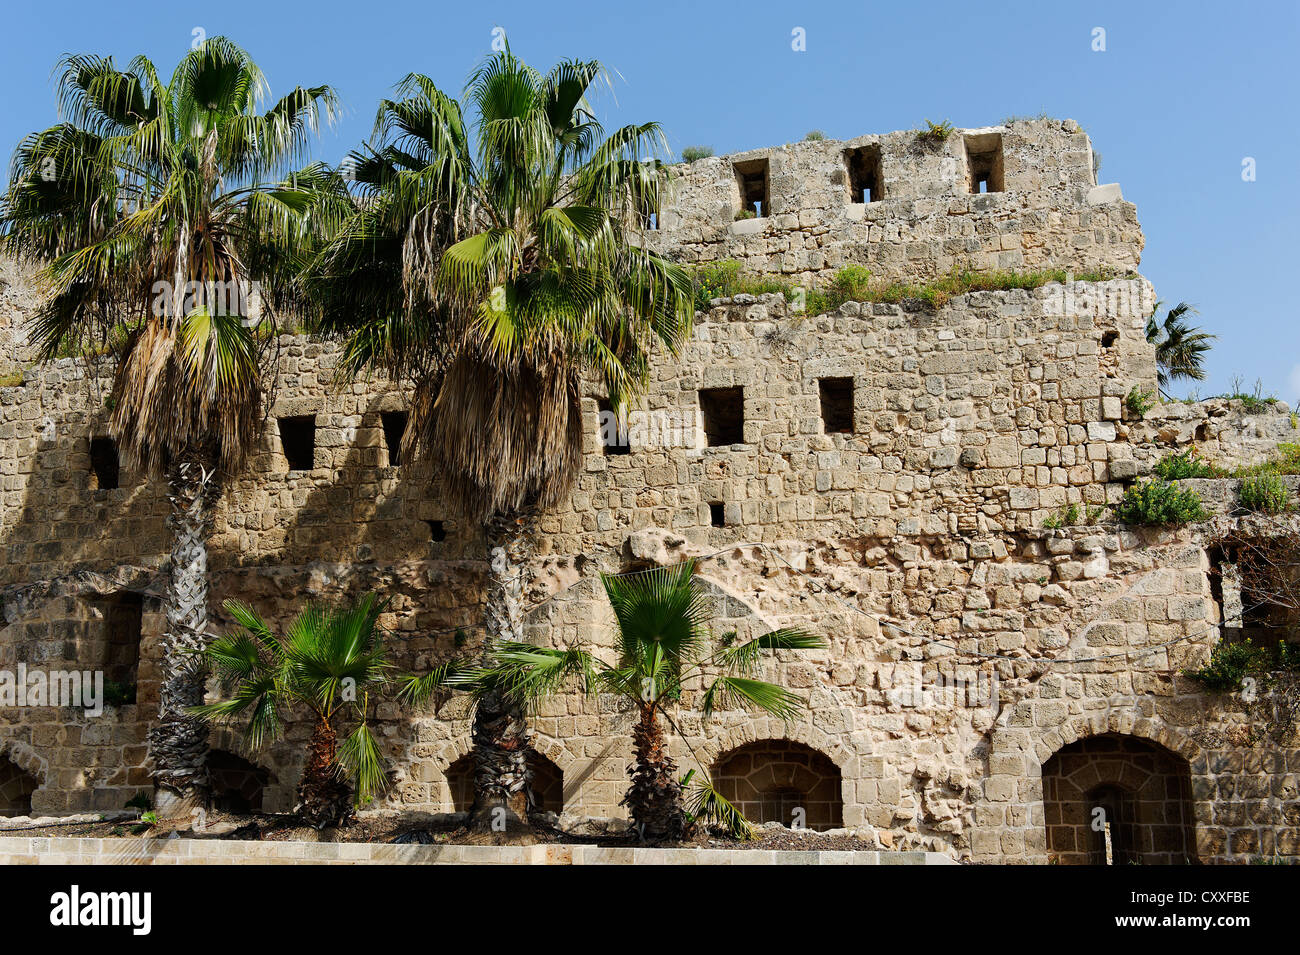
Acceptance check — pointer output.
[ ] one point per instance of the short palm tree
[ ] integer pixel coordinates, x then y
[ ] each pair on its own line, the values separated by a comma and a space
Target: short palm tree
1180, 347
491, 263
155, 209
663, 648
330, 662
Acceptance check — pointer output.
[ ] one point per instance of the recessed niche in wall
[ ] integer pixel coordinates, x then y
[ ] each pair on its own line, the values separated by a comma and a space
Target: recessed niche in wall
105, 466
723, 410
717, 514
984, 163
612, 432
836, 396
437, 531
298, 438
752, 178
866, 182
394, 429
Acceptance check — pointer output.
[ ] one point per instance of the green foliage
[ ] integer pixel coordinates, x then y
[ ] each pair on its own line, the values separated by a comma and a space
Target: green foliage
1074, 514
705, 804
1231, 663
1266, 494
1160, 503
1180, 347
724, 279
815, 135
1139, 401
1174, 467
1285, 459
11, 380
935, 132
141, 801
742, 214
174, 177
119, 694
329, 660
662, 644
149, 818
693, 153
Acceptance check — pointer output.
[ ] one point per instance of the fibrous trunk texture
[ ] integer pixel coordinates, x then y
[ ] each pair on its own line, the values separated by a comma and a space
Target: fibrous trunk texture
501, 734
178, 743
324, 796
654, 800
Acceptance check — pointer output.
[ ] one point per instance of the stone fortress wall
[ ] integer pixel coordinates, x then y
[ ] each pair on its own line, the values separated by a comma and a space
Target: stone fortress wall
882, 474
926, 216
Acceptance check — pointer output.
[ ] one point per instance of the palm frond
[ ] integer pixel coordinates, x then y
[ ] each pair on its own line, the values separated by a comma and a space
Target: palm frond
705, 804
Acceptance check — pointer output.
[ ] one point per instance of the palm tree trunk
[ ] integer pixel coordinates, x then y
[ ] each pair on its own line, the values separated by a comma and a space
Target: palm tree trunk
324, 796
501, 736
178, 744
654, 800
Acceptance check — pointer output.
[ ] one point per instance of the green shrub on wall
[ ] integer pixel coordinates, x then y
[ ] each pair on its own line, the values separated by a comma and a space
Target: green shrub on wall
1266, 493
1231, 663
1160, 503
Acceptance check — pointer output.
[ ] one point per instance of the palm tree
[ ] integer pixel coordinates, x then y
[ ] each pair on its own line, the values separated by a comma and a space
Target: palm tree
663, 646
1180, 347
492, 265
154, 210
329, 661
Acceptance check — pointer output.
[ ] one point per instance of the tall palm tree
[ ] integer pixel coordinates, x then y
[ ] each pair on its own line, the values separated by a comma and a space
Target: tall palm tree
490, 262
330, 661
1180, 347
155, 210
663, 646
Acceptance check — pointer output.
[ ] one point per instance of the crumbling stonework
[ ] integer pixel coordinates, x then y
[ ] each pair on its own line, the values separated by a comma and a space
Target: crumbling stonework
970, 643
923, 220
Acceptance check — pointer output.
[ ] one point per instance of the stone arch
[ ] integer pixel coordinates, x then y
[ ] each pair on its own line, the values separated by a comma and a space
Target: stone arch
238, 785
755, 728
780, 780
1123, 722
1115, 798
21, 774
547, 787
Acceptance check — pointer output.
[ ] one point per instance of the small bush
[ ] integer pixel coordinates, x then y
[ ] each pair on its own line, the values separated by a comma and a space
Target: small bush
1231, 663
1266, 493
815, 136
1174, 467
1158, 503
935, 132
693, 153
746, 214
1139, 401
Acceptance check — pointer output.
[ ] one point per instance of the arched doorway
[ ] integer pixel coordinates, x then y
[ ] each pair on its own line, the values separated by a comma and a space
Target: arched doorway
781, 781
547, 784
1118, 800
16, 788
237, 785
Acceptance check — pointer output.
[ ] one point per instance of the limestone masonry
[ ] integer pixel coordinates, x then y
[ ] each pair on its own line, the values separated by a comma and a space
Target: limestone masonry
886, 475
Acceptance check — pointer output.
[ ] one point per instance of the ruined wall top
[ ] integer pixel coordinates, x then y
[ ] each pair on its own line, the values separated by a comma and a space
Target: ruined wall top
1023, 195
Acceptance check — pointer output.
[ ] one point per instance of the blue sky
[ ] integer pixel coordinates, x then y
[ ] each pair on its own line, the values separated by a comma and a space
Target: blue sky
1182, 94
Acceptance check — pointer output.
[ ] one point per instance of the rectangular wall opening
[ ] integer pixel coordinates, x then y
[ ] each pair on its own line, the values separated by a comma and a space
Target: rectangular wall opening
105, 466
437, 531
836, 396
717, 514
394, 430
723, 411
984, 164
298, 438
613, 429
866, 182
117, 650
752, 179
